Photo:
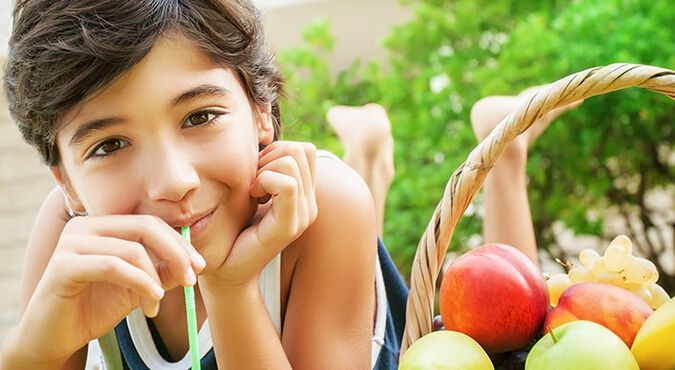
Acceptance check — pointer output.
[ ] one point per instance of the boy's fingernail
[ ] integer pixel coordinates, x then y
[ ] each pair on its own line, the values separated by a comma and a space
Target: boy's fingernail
157, 291
198, 260
190, 277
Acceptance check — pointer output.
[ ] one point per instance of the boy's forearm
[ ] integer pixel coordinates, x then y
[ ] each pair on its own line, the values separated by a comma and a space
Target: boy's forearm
15, 355
242, 332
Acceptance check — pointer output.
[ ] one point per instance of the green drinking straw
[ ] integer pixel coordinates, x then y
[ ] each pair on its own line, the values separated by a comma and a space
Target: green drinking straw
191, 314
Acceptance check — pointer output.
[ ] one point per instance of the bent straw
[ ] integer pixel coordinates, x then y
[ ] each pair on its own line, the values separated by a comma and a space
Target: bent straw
191, 314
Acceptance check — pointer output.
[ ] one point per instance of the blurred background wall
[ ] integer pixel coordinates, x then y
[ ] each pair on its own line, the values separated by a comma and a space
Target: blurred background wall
23, 184
5, 17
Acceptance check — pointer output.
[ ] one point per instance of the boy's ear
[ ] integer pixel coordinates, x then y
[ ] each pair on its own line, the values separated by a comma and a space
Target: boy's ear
73, 202
265, 125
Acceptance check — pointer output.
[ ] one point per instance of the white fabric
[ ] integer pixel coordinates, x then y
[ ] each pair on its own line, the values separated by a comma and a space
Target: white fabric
381, 315
141, 337
326, 154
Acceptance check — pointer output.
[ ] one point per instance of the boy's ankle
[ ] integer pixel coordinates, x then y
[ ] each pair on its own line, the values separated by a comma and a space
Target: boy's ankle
515, 154
371, 148
361, 129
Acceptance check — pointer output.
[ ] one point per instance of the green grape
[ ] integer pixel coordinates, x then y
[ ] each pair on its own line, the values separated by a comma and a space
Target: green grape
616, 258
599, 268
623, 242
642, 291
610, 278
580, 274
557, 284
589, 257
640, 272
659, 295
651, 266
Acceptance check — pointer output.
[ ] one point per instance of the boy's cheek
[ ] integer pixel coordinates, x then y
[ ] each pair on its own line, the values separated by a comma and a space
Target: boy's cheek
116, 200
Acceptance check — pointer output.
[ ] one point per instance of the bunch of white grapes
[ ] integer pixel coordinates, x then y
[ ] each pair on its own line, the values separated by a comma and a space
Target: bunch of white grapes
617, 267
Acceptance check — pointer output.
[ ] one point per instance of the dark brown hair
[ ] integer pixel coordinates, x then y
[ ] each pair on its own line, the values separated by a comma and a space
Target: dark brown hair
62, 51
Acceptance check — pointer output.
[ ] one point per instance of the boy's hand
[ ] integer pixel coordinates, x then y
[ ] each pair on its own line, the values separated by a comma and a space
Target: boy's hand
285, 183
104, 267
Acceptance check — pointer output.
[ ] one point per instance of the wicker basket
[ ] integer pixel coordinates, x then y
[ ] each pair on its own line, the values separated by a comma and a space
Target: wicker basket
468, 178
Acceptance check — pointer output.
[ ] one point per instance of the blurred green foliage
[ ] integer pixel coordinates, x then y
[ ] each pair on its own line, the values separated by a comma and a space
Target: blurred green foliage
450, 54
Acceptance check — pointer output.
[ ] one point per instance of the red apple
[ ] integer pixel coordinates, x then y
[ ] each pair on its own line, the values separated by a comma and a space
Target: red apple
612, 307
496, 295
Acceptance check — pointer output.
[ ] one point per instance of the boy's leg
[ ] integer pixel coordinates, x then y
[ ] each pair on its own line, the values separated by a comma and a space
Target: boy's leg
365, 134
507, 211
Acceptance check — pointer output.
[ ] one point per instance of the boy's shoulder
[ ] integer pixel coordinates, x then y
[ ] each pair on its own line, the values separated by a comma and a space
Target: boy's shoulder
346, 211
340, 186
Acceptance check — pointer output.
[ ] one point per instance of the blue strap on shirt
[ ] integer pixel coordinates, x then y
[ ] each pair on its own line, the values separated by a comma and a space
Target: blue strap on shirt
397, 297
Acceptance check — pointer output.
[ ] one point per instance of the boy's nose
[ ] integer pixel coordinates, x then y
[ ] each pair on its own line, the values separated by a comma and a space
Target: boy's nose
170, 175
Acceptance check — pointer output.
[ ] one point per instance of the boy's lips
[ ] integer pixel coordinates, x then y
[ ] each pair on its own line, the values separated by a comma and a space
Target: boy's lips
196, 223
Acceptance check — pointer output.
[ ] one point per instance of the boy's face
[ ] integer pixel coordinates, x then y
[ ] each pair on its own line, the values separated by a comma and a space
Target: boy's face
174, 137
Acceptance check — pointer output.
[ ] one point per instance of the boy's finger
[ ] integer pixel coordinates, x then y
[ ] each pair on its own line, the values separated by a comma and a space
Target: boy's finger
305, 156
310, 191
272, 146
132, 252
154, 235
196, 259
287, 166
97, 268
303, 153
302, 167
310, 153
281, 221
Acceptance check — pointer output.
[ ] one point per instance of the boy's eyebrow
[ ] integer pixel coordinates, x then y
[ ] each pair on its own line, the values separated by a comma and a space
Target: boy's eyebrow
202, 91
91, 127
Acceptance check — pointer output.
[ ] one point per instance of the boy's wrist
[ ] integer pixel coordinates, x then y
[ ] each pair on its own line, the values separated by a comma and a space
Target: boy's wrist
213, 288
17, 355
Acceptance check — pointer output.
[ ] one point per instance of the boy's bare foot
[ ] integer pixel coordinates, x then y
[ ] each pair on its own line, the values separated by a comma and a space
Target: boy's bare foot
490, 111
365, 129
542, 123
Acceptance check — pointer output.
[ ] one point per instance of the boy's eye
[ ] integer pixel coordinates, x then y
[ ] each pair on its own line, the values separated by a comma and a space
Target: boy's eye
108, 147
200, 119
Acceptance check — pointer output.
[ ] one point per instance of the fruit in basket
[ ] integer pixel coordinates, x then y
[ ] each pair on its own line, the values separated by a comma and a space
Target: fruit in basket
653, 294
658, 296
445, 350
496, 295
654, 342
437, 324
515, 360
556, 285
612, 307
617, 266
580, 345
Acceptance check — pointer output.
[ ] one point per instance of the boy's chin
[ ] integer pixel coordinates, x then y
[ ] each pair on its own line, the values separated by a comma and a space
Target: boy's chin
215, 256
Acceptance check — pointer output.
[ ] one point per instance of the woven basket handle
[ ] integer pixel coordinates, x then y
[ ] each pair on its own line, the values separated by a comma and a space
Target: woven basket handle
468, 178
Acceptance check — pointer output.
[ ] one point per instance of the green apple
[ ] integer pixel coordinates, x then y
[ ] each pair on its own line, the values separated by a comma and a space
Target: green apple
580, 345
445, 350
